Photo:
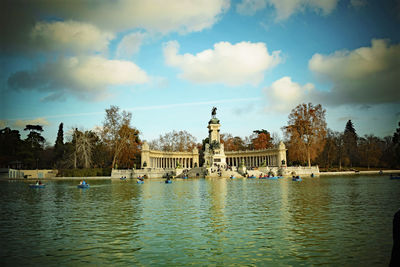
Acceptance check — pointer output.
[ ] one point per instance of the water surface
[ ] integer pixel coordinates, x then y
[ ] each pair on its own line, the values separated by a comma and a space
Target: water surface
337, 221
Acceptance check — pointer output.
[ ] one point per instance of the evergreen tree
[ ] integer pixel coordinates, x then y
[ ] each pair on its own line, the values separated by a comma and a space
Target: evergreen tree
10, 146
396, 145
34, 145
60, 137
34, 138
350, 144
59, 147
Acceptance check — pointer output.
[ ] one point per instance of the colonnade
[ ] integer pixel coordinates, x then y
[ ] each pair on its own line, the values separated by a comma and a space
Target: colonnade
156, 159
170, 163
252, 161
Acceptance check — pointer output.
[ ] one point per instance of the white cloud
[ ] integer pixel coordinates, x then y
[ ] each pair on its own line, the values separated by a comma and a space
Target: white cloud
3, 123
37, 121
358, 3
286, 8
85, 76
71, 36
130, 44
231, 64
152, 15
284, 94
367, 75
250, 7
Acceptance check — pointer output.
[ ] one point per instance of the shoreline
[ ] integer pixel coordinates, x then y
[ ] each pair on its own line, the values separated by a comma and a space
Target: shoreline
382, 172
376, 172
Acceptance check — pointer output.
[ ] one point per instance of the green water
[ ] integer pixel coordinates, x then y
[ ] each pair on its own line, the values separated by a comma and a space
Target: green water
337, 221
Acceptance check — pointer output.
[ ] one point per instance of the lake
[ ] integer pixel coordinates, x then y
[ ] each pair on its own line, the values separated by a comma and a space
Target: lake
338, 221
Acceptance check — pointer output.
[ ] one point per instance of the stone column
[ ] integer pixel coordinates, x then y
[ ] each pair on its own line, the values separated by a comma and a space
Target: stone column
145, 157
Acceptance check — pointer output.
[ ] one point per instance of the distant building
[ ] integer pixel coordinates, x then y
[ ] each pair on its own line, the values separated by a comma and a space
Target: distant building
214, 154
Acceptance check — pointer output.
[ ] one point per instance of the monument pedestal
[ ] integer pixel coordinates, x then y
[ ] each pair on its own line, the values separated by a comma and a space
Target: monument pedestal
214, 155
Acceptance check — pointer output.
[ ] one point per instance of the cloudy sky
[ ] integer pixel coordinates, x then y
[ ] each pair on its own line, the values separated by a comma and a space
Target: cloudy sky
170, 61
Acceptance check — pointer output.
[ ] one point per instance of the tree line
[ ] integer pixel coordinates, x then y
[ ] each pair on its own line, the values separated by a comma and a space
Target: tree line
116, 144
309, 141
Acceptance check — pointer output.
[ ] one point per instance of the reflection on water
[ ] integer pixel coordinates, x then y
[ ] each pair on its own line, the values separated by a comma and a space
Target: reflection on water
334, 221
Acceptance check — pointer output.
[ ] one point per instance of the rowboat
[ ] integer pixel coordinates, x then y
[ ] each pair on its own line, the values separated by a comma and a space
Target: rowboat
37, 185
297, 179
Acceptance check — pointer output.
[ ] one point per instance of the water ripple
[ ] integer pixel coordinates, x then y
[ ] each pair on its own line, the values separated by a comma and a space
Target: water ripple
320, 221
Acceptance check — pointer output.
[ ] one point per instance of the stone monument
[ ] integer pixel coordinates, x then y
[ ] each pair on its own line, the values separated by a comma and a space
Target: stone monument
214, 155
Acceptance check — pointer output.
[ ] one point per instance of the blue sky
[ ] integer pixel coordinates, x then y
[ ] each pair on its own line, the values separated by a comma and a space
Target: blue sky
169, 62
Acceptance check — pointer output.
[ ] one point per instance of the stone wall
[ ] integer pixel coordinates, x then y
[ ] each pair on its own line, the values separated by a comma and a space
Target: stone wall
300, 170
152, 173
287, 171
39, 174
121, 173
6, 173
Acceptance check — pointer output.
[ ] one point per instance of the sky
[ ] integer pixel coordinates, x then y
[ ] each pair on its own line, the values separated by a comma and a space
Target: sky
169, 62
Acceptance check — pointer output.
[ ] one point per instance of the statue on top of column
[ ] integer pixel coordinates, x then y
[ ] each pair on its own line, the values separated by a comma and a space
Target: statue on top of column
214, 112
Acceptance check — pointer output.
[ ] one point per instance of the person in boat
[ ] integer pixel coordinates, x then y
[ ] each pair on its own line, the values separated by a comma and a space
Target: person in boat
37, 182
83, 182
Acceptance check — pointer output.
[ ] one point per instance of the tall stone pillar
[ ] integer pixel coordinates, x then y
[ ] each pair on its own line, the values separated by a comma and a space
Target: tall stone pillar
195, 155
145, 155
281, 157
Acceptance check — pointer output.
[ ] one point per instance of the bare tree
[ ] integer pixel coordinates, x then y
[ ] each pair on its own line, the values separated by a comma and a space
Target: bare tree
117, 132
83, 148
306, 131
174, 141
